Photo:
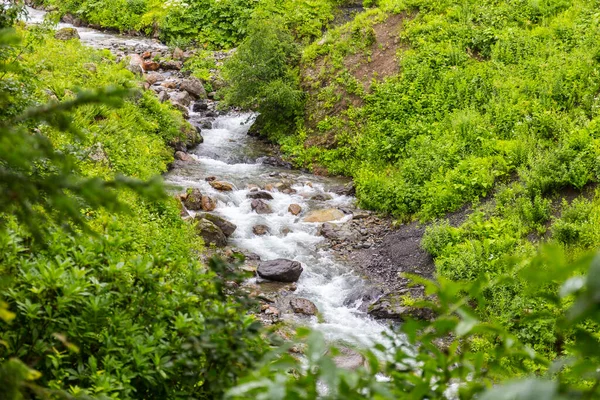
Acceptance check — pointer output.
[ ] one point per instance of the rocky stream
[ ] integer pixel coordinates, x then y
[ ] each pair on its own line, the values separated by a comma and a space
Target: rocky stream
318, 260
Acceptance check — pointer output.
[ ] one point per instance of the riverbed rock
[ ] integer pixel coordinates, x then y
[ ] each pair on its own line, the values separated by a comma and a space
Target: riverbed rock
194, 87
206, 124
182, 98
66, 34
295, 209
171, 65
193, 200
178, 54
163, 96
211, 233
153, 77
225, 226
135, 64
363, 298
260, 195
303, 306
280, 270
182, 156
199, 106
208, 203
344, 190
221, 185
150, 65
398, 307
169, 84
321, 197
260, 207
260, 230
325, 215
283, 186
348, 359
340, 233
276, 161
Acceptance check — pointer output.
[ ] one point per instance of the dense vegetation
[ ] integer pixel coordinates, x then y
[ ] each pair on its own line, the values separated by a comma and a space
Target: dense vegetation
493, 109
102, 292
207, 23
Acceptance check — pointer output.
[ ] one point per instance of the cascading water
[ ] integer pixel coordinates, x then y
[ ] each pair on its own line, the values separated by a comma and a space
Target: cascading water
229, 154
324, 281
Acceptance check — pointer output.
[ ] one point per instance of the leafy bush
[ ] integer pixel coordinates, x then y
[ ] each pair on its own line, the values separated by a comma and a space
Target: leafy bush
260, 75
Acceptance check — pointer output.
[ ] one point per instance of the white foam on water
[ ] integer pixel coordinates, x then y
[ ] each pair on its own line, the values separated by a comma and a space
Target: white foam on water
324, 281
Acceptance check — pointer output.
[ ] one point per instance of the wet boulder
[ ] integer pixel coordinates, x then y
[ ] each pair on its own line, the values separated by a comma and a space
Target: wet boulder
260, 207
221, 185
325, 215
225, 226
276, 162
294, 209
194, 87
169, 84
193, 200
66, 34
199, 106
182, 156
208, 203
399, 307
321, 197
211, 233
260, 230
280, 270
260, 195
363, 298
344, 190
303, 306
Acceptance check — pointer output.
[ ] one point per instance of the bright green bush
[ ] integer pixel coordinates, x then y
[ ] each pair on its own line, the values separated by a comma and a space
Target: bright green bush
261, 76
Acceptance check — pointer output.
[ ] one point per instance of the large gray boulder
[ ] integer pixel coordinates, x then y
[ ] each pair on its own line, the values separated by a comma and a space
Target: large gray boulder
211, 233
280, 270
194, 87
226, 227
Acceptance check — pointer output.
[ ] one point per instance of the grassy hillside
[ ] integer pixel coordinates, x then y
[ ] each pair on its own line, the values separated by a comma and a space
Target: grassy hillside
494, 106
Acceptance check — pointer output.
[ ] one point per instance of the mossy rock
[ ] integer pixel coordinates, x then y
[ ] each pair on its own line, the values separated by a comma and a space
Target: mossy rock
66, 34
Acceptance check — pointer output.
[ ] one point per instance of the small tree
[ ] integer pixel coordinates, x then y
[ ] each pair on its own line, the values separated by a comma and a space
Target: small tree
262, 75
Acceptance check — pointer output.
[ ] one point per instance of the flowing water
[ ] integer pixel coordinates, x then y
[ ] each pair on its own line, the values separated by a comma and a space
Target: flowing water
229, 154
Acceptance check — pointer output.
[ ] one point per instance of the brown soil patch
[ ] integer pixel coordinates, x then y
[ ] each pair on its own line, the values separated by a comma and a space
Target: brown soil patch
383, 53
373, 64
